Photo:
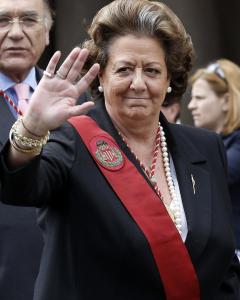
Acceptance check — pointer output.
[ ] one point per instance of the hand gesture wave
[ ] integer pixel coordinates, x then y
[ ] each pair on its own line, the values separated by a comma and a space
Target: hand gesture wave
54, 100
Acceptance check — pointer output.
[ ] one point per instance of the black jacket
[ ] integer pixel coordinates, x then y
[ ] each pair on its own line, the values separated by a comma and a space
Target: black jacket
93, 248
21, 240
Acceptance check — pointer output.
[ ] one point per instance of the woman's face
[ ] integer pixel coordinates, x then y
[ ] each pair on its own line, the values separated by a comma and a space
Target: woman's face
135, 79
208, 109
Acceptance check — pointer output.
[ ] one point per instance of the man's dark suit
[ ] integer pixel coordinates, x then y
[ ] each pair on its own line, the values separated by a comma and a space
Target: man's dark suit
95, 250
20, 237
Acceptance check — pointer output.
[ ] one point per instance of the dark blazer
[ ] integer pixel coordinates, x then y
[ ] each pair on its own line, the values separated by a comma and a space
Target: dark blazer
232, 145
93, 248
21, 240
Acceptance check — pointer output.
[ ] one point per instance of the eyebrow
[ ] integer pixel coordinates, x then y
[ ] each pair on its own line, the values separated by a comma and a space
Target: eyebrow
21, 13
131, 63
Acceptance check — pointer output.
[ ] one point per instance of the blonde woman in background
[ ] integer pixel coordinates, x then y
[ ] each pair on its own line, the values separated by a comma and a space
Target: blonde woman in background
132, 206
215, 105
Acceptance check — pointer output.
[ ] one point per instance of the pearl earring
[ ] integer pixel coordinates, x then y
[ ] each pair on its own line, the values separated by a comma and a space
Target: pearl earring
169, 89
100, 89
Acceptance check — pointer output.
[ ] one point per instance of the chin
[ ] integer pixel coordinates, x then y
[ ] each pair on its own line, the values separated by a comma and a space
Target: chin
138, 115
198, 124
18, 65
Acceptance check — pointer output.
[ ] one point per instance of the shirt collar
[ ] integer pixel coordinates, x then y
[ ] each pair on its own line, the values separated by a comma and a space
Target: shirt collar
6, 82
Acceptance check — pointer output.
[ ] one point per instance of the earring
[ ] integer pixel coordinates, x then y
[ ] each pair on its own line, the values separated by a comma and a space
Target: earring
100, 89
169, 89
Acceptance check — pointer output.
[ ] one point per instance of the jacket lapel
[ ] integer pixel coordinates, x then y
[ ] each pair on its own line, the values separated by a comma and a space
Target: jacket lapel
6, 121
187, 160
195, 187
39, 74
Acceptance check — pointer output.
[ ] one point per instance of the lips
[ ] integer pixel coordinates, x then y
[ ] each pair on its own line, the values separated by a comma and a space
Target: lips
195, 116
15, 49
137, 98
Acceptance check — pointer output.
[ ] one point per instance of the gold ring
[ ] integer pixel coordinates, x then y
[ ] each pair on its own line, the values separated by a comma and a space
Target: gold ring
58, 74
47, 74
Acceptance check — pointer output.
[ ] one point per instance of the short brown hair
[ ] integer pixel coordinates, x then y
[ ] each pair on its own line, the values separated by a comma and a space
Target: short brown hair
142, 17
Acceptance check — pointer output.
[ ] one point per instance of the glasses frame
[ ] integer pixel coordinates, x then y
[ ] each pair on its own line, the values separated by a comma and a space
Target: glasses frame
20, 21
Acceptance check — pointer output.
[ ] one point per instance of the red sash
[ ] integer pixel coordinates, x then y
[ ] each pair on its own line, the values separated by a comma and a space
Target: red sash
170, 254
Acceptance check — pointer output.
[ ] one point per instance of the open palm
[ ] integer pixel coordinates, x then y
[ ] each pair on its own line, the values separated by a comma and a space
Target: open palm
54, 99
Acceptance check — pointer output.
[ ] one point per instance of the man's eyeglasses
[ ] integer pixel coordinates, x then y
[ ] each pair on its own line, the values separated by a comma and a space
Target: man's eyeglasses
25, 22
215, 68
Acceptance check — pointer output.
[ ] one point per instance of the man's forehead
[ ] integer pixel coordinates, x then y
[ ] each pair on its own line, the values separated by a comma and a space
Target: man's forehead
19, 6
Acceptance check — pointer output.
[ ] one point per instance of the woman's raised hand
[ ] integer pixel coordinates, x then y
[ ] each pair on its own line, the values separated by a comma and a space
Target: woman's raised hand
54, 99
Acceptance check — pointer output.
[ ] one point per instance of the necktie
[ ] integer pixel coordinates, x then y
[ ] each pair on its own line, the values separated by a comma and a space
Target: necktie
22, 91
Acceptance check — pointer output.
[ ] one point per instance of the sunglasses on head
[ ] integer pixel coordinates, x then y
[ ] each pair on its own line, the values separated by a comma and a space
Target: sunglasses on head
215, 68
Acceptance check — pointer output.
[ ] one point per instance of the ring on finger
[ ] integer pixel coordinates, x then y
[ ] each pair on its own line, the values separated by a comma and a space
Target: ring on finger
48, 74
60, 75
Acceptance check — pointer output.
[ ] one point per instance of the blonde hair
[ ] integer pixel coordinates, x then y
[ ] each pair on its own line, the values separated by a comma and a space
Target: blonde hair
224, 78
142, 18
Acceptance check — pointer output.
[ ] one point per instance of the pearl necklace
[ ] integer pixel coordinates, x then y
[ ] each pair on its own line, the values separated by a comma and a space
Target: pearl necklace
173, 208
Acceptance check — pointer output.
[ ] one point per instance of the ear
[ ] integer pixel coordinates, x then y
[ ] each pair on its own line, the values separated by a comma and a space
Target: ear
225, 102
47, 36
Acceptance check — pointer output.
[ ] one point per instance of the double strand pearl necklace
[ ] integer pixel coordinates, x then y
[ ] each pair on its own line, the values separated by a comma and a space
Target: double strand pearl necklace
173, 208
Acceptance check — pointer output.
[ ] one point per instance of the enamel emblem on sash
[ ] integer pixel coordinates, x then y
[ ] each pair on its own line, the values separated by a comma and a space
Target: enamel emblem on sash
107, 153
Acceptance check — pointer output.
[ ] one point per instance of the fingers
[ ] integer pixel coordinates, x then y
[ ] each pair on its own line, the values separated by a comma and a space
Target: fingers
86, 80
71, 68
80, 109
76, 68
50, 70
72, 65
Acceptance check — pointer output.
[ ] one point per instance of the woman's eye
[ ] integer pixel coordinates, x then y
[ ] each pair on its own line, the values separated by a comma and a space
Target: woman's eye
124, 70
152, 71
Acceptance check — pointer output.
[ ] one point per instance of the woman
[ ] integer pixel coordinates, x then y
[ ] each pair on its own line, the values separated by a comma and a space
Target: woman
215, 105
129, 207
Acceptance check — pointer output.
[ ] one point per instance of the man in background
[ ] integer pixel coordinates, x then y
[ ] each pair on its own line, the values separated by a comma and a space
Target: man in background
24, 34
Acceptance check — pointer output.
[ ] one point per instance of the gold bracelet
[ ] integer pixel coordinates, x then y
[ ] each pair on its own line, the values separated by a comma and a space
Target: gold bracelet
33, 134
25, 151
26, 141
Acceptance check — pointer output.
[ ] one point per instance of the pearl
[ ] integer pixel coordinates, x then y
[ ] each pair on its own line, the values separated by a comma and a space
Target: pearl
165, 159
165, 154
173, 209
164, 144
163, 139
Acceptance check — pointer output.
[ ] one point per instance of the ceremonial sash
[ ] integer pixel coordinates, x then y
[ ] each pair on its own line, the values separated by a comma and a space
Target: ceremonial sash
171, 256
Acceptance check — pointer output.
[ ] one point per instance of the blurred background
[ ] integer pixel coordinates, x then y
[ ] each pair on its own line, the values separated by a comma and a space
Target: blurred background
213, 25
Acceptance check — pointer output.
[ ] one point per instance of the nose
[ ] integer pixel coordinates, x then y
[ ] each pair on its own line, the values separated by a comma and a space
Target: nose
15, 31
138, 81
192, 104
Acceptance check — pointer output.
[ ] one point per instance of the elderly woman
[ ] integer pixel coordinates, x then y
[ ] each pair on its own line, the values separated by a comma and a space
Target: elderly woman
131, 206
215, 105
